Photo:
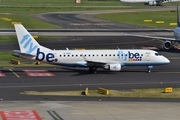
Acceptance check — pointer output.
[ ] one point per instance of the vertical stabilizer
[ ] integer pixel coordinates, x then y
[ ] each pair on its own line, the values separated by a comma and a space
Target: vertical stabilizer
178, 23
26, 42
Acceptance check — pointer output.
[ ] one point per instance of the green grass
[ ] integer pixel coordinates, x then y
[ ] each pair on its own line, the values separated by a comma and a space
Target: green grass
18, 10
37, 6
139, 17
59, 3
6, 56
27, 21
137, 93
67, 3
12, 38
22, 64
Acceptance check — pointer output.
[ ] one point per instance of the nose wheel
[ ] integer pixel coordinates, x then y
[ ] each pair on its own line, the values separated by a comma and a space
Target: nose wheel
149, 69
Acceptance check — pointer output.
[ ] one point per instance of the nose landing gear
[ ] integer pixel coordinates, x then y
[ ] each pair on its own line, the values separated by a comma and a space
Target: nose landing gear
149, 69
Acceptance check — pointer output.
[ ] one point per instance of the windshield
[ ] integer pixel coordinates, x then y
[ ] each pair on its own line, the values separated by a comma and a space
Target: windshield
157, 54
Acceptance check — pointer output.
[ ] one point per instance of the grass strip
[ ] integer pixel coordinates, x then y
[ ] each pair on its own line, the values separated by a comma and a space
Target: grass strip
13, 38
137, 18
137, 93
27, 21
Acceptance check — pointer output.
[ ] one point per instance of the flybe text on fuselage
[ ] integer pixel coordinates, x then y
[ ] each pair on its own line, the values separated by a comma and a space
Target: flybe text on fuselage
129, 56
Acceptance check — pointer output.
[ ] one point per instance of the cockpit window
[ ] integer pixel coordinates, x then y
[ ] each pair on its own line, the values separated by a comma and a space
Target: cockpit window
157, 54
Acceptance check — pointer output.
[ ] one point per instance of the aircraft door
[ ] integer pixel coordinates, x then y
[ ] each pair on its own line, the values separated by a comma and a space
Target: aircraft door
147, 56
55, 57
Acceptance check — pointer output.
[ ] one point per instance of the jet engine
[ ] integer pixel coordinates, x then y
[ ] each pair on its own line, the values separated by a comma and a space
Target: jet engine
167, 45
113, 67
152, 3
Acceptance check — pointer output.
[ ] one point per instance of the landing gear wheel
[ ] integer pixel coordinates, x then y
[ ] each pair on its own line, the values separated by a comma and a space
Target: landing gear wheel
149, 70
93, 70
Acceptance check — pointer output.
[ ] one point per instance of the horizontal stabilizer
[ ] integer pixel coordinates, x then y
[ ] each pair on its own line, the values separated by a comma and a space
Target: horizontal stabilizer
18, 53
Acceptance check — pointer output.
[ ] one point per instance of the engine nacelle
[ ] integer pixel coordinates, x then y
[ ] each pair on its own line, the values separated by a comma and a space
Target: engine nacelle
167, 45
113, 67
152, 3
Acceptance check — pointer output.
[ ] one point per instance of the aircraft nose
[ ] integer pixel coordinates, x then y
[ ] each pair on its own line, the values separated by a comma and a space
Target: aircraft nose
166, 61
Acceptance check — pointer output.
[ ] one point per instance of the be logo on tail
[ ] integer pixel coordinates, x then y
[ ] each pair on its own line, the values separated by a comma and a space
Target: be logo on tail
27, 41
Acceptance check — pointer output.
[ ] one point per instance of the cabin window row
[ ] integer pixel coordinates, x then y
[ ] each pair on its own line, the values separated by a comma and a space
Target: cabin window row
92, 55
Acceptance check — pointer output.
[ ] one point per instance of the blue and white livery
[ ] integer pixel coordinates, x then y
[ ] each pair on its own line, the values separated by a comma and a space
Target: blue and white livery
112, 60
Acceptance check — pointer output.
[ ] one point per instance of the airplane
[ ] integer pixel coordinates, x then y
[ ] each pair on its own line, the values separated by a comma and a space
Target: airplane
112, 60
168, 43
150, 2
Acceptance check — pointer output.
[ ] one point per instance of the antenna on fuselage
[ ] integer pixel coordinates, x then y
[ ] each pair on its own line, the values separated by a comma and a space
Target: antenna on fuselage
178, 23
67, 48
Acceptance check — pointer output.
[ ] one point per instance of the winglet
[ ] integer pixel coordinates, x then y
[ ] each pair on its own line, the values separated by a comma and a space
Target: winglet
178, 22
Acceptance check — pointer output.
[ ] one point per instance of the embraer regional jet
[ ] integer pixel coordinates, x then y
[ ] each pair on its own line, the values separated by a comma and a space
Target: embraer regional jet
111, 60
168, 42
150, 2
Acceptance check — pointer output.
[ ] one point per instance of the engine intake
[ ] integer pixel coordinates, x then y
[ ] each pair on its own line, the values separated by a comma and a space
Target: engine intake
167, 45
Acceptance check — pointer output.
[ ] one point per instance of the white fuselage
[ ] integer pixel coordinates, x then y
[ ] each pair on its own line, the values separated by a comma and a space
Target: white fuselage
80, 57
177, 33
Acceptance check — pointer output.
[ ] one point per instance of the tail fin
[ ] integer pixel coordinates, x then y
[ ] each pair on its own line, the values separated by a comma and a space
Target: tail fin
26, 42
178, 22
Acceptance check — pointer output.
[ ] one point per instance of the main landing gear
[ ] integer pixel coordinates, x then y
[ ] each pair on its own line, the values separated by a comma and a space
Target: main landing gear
93, 70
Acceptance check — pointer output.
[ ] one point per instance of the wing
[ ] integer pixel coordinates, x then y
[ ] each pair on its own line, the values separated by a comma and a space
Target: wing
146, 36
95, 63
